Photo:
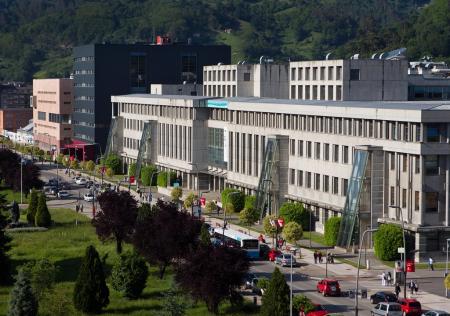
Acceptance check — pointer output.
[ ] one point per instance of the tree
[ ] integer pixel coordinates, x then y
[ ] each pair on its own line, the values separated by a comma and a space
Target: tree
332, 226
387, 240
42, 275
5, 263
275, 300
91, 294
43, 217
250, 201
210, 206
189, 200
176, 194
295, 212
129, 275
22, 302
292, 232
268, 228
147, 173
90, 166
165, 235
234, 197
113, 162
132, 170
116, 217
32, 207
30, 178
173, 303
74, 164
301, 303
205, 236
248, 216
226, 266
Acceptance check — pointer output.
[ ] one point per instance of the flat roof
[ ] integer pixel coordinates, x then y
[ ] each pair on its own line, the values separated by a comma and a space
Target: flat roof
163, 96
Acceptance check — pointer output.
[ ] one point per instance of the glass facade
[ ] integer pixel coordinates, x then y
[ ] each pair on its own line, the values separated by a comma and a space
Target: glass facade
216, 147
137, 72
428, 93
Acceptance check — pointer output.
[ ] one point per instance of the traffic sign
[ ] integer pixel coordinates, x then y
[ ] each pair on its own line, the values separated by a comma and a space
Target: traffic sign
401, 250
280, 222
132, 179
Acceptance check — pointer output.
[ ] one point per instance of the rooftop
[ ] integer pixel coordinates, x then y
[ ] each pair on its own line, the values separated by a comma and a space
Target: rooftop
164, 96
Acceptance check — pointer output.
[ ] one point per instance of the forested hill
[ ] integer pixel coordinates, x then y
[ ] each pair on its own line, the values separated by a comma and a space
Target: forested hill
37, 36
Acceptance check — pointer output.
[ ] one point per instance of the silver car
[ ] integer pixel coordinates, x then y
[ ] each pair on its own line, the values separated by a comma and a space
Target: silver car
436, 313
387, 309
285, 260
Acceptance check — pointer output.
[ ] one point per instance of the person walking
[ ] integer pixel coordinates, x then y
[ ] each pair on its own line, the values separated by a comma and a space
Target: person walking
397, 290
430, 263
81, 208
77, 208
412, 286
416, 287
383, 279
320, 256
389, 278
315, 256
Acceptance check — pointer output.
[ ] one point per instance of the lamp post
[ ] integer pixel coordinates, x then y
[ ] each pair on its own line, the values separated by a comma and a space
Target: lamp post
21, 179
446, 268
359, 262
404, 246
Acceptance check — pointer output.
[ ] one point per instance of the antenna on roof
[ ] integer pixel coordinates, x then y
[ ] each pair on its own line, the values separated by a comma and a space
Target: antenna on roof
327, 56
374, 56
356, 56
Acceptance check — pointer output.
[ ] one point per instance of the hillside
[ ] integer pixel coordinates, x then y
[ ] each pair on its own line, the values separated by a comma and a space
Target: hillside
37, 36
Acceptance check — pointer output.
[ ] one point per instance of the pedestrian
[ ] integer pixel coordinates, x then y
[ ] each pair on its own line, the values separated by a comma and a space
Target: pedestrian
320, 256
430, 263
383, 279
81, 208
315, 256
389, 278
416, 287
77, 208
412, 286
397, 289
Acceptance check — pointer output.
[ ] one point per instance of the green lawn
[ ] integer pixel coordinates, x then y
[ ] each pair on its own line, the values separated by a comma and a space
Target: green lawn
11, 195
64, 244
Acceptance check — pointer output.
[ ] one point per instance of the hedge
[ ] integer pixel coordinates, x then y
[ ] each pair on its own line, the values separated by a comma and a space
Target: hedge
332, 226
387, 240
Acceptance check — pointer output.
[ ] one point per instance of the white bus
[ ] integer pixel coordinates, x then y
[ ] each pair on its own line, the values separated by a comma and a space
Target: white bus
234, 238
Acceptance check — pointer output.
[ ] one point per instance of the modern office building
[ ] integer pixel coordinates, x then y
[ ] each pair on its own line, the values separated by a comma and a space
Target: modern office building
15, 94
52, 104
177, 89
349, 80
428, 80
13, 118
247, 80
102, 70
352, 158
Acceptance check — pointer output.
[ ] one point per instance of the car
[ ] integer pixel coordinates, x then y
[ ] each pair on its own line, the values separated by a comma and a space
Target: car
75, 179
248, 280
273, 253
285, 260
88, 197
89, 183
410, 307
65, 186
383, 296
328, 287
81, 181
54, 190
318, 310
436, 313
387, 309
63, 194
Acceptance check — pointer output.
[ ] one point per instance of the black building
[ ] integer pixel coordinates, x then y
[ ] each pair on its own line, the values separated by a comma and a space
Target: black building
102, 70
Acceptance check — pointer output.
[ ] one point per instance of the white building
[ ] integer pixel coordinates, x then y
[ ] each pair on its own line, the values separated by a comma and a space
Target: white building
22, 136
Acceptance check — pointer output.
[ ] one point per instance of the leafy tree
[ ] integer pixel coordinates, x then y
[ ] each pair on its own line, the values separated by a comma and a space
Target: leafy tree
268, 228
295, 212
43, 217
276, 299
113, 162
30, 178
90, 166
189, 200
132, 170
32, 207
250, 201
22, 302
332, 226
176, 194
165, 235
74, 164
162, 179
233, 197
109, 172
42, 275
226, 266
129, 275
205, 237
387, 240
116, 217
91, 294
248, 216
301, 303
210, 206
292, 232
147, 172
5, 264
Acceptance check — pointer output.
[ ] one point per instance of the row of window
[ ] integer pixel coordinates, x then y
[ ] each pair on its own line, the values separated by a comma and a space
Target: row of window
307, 92
220, 75
175, 141
46, 101
84, 84
219, 90
84, 110
245, 152
84, 58
131, 143
84, 72
135, 125
318, 182
317, 150
82, 123
177, 112
431, 199
84, 98
46, 92
84, 136
317, 73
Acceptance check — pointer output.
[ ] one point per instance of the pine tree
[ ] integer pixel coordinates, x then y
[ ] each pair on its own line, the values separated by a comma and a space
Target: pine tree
43, 217
91, 293
129, 275
22, 302
205, 237
276, 299
32, 207
5, 266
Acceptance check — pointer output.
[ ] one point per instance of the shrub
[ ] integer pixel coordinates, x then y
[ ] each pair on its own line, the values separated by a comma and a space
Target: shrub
268, 228
132, 169
332, 226
275, 300
60, 158
43, 217
205, 237
109, 172
211, 206
250, 201
301, 303
74, 164
22, 302
295, 212
90, 166
32, 207
248, 216
234, 197
129, 275
189, 200
292, 232
176, 193
146, 174
42, 275
162, 179
113, 162
387, 240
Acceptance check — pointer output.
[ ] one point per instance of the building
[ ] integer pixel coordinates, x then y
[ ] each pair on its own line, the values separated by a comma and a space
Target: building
22, 136
52, 104
177, 89
247, 80
349, 80
304, 151
102, 70
428, 80
13, 118
15, 94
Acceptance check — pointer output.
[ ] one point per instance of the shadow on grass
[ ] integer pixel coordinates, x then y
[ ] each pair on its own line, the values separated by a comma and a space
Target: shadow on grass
130, 309
153, 295
68, 269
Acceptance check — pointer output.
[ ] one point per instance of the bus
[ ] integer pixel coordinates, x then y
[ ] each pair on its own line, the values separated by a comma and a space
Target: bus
234, 238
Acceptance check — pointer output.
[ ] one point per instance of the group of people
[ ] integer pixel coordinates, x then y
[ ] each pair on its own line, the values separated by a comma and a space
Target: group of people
413, 287
79, 207
318, 257
386, 279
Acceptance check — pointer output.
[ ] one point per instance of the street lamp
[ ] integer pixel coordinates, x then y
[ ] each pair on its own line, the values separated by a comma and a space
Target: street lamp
446, 268
359, 262
404, 246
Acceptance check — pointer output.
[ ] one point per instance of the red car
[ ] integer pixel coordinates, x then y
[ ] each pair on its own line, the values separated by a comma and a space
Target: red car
273, 253
317, 311
329, 287
410, 306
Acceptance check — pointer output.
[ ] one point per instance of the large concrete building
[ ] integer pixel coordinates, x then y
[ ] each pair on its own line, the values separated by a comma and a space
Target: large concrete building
52, 104
397, 152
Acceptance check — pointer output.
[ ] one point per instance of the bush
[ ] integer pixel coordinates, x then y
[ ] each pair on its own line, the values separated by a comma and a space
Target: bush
189, 200
268, 228
146, 174
109, 172
301, 303
250, 201
234, 197
295, 212
129, 275
74, 164
90, 166
332, 226
387, 240
176, 193
132, 169
43, 217
42, 275
32, 207
113, 162
292, 232
162, 179
211, 206
248, 216
22, 302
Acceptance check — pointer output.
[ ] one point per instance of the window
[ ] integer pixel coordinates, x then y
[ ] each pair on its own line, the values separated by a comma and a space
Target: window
293, 73
405, 162
307, 73
326, 183
308, 179
300, 73
308, 149
137, 71
330, 93
317, 181
338, 72
246, 76
416, 200
322, 73
293, 89
317, 151
292, 145
335, 186
392, 196
299, 178
42, 116
354, 74
330, 73
417, 164
431, 163
291, 176
335, 153
431, 201
345, 154
189, 68
300, 148
314, 73
403, 198
392, 163
326, 151
344, 187
432, 133
338, 93
300, 92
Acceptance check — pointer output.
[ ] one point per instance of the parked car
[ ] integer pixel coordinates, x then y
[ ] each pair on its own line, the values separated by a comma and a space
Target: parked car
63, 194
436, 313
285, 260
273, 253
383, 296
387, 309
75, 179
65, 186
317, 311
89, 183
81, 181
54, 191
329, 287
88, 197
248, 280
410, 307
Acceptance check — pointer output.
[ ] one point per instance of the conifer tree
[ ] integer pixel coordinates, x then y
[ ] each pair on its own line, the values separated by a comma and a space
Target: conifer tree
32, 207
5, 271
22, 302
205, 237
43, 217
91, 293
276, 299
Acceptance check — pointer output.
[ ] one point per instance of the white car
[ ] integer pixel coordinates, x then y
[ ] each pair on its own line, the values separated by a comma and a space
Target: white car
387, 309
436, 313
81, 181
63, 194
89, 197
285, 260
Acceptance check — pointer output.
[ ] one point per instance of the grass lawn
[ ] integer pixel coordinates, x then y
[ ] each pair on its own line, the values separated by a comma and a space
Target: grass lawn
11, 195
64, 244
